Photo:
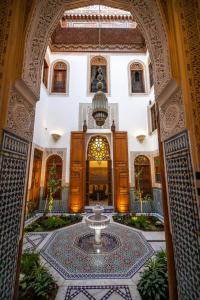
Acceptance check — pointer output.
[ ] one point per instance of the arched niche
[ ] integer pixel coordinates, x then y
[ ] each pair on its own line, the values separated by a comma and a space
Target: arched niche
142, 169
59, 77
95, 63
56, 161
137, 78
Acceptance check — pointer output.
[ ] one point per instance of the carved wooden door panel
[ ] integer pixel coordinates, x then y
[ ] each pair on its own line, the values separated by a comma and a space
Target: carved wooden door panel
34, 194
121, 171
77, 172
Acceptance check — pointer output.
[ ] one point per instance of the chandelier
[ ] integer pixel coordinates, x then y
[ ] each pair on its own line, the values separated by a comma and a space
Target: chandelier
100, 102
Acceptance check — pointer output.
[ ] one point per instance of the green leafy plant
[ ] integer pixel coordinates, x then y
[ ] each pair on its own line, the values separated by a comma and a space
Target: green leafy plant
143, 222
42, 283
46, 223
153, 284
54, 222
29, 261
35, 281
140, 222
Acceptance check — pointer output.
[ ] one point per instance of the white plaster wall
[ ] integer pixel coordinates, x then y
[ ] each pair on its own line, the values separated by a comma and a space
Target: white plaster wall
60, 112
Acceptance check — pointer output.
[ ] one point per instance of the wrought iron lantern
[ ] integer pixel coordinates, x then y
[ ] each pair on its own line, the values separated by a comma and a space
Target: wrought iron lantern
100, 102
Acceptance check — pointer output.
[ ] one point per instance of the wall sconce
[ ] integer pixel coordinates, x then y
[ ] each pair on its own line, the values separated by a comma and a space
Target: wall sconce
140, 138
56, 135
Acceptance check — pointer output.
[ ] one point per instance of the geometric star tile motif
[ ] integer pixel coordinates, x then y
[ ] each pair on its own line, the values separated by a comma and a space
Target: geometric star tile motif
32, 240
71, 262
107, 292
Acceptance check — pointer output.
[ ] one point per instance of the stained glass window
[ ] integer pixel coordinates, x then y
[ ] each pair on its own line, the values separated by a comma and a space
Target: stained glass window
98, 149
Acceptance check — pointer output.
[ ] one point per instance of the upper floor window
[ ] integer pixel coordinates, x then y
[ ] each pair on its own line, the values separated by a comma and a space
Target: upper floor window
153, 118
137, 78
150, 74
45, 73
59, 78
96, 62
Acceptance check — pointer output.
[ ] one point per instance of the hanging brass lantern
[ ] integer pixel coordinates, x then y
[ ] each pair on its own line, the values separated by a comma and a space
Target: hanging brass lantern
100, 102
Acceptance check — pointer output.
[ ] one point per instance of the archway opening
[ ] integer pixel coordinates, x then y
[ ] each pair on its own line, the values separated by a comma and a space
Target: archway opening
158, 49
98, 172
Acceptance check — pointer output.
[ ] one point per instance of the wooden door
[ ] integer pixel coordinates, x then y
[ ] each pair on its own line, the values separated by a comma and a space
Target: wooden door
34, 195
77, 172
121, 171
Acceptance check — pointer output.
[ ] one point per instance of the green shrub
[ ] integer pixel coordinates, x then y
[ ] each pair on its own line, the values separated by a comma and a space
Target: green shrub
53, 222
42, 283
143, 222
153, 284
140, 222
35, 281
29, 261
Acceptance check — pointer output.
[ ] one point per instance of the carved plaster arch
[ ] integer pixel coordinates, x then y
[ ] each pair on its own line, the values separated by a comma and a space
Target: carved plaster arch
47, 13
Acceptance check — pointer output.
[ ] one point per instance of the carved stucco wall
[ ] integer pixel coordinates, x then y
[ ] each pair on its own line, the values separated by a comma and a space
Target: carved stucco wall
21, 114
190, 21
46, 16
172, 118
5, 16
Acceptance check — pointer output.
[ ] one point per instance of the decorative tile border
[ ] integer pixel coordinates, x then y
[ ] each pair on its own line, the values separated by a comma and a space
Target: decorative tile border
107, 292
33, 239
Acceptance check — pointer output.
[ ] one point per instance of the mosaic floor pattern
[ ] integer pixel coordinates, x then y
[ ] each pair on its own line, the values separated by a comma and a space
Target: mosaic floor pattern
33, 240
128, 255
107, 292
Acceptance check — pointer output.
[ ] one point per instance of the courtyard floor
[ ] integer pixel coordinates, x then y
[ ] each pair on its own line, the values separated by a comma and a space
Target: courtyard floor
83, 274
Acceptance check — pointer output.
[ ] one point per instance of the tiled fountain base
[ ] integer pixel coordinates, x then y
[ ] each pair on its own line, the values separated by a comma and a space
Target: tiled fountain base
67, 252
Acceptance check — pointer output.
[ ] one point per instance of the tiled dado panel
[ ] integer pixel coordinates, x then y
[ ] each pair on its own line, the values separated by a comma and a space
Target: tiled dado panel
13, 163
184, 215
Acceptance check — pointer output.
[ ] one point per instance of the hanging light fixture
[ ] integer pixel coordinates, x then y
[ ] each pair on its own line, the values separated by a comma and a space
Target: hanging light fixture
100, 101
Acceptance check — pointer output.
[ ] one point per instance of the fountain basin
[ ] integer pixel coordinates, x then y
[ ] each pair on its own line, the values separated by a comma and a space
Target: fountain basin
97, 221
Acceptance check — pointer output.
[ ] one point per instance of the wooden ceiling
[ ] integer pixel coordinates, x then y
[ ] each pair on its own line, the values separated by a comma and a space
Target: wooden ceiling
87, 39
